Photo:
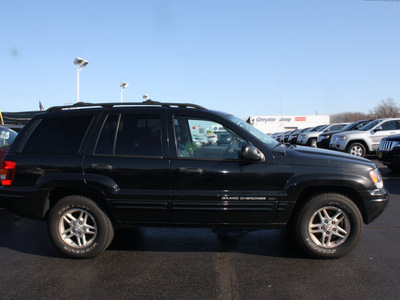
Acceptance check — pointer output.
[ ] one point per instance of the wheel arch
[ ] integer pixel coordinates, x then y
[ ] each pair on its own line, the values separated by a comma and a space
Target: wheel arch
93, 194
305, 195
362, 142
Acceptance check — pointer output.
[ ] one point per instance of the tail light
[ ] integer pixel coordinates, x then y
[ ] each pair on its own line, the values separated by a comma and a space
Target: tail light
7, 172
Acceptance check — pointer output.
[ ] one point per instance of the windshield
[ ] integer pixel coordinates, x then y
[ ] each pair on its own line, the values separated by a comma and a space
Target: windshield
370, 125
297, 131
7, 137
320, 128
349, 127
270, 142
354, 126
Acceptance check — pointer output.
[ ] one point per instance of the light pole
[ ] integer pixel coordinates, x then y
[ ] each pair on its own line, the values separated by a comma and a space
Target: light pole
123, 86
79, 64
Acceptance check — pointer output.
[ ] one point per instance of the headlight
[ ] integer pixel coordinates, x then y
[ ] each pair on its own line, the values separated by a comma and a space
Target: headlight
376, 178
341, 138
306, 136
396, 144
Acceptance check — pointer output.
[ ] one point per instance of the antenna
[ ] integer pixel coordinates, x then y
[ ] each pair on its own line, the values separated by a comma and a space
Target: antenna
280, 93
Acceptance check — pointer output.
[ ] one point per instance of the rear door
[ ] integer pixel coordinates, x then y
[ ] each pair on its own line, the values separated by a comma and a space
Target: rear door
129, 160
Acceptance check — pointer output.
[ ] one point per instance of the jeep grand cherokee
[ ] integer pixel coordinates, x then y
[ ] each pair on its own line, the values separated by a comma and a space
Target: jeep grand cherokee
87, 168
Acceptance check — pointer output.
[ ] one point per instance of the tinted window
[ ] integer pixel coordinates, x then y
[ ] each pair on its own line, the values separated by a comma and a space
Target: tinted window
130, 134
105, 144
390, 125
58, 135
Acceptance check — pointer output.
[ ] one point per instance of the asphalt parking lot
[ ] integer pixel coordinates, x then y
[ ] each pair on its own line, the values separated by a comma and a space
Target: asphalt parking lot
160, 263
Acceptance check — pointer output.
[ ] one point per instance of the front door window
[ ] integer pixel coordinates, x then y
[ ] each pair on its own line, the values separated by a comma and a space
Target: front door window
205, 139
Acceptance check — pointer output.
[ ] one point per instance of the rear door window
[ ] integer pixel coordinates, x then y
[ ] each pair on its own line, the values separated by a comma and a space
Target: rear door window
130, 135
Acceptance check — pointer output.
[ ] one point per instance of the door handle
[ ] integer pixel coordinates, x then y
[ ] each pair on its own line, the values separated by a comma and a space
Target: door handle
191, 171
101, 166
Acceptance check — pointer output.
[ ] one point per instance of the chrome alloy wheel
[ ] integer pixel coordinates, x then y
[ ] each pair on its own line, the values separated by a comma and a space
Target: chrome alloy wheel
329, 227
77, 228
357, 151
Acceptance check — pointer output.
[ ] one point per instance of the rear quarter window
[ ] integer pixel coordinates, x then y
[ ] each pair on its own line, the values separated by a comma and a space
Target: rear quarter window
58, 135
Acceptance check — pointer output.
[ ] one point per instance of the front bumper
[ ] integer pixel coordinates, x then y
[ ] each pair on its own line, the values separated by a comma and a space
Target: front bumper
301, 140
391, 158
341, 145
375, 203
324, 144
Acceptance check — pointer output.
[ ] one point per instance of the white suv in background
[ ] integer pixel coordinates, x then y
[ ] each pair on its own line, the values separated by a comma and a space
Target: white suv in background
367, 138
310, 138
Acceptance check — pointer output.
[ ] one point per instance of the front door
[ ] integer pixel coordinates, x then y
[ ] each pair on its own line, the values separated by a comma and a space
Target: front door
211, 184
389, 127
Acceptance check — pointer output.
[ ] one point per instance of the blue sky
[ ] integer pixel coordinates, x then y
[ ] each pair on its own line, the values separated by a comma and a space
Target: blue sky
244, 57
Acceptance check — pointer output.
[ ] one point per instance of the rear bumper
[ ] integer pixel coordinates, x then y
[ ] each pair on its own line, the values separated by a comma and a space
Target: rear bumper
338, 146
27, 202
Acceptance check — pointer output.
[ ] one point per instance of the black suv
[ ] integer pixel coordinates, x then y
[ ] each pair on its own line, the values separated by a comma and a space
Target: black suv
87, 168
389, 152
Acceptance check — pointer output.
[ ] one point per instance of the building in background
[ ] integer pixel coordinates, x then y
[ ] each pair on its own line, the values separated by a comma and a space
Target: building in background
272, 124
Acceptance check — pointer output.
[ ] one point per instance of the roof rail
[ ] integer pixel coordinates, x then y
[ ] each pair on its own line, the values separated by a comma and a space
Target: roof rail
111, 105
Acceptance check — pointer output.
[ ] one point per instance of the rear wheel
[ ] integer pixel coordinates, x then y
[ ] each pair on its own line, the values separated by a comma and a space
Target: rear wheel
328, 226
79, 227
356, 149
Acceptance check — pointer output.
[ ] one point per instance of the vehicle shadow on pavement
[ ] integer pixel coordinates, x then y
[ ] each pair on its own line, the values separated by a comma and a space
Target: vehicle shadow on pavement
31, 237
272, 243
25, 235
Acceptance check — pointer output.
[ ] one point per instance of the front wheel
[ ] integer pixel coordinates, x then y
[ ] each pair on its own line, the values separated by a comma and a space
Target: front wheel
328, 226
356, 149
312, 143
79, 228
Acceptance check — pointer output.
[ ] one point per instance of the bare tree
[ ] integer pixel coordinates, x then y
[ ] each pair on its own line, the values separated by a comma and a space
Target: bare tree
349, 117
386, 109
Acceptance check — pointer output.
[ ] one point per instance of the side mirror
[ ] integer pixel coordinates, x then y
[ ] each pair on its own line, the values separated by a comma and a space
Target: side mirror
378, 128
249, 152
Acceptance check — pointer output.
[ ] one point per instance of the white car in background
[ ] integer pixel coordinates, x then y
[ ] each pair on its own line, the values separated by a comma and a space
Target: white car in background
367, 138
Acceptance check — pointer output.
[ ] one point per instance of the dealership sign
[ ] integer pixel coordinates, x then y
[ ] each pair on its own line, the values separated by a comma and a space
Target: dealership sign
272, 124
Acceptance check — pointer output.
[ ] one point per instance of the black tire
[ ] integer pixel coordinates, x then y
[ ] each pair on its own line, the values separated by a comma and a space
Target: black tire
79, 228
356, 149
321, 234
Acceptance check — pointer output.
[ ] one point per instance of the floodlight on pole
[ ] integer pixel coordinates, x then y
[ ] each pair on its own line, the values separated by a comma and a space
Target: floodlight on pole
123, 86
79, 64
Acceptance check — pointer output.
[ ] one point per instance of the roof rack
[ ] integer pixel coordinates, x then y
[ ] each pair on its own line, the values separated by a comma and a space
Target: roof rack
111, 105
